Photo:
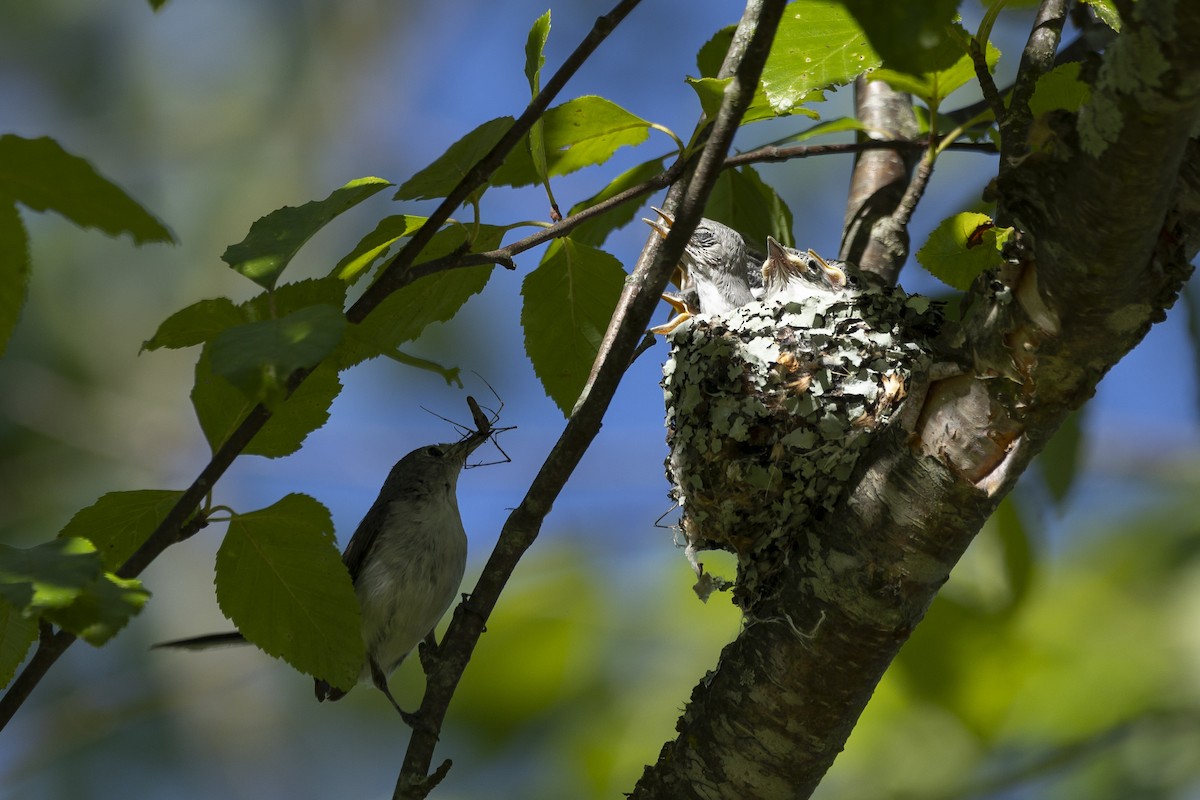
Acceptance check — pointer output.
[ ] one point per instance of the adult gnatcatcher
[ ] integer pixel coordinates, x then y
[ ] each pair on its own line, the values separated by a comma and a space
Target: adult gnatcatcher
406, 559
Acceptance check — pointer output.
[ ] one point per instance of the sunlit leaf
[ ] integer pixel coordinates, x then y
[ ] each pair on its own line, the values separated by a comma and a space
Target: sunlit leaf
1106, 11
534, 59
568, 301
102, 609
39, 174
275, 239
17, 633
281, 580
64, 580
963, 247
439, 178
376, 244
120, 522
818, 45
14, 270
579, 133
711, 93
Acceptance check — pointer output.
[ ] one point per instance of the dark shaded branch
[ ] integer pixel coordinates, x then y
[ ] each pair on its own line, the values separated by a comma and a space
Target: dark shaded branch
626, 328
869, 237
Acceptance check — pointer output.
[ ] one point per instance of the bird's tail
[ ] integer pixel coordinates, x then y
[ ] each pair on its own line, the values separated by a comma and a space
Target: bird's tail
206, 642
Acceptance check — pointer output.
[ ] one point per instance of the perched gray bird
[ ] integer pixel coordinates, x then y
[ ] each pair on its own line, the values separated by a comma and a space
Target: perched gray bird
792, 276
406, 559
715, 264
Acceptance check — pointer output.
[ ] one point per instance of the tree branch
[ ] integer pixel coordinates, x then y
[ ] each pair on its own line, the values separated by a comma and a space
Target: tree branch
626, 328
1099, 266
869, 238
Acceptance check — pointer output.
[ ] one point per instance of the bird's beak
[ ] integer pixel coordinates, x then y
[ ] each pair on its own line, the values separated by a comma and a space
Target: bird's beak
462, 449
835, 275
780, 261
662, 225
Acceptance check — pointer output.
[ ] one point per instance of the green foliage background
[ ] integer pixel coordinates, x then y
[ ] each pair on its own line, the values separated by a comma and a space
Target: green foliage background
1061, 660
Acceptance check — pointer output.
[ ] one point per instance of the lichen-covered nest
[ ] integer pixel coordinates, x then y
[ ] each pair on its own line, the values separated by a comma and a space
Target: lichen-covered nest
768, 409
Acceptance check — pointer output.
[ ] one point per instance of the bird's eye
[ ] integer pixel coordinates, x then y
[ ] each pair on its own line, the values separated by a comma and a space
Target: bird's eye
702, 238
434, 451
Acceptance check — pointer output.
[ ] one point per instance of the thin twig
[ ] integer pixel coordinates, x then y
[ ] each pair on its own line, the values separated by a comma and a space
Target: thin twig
625, 329
771, 153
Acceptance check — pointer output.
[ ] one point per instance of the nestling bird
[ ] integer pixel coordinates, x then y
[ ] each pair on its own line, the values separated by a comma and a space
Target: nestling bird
406, 558
792, 276
715, 264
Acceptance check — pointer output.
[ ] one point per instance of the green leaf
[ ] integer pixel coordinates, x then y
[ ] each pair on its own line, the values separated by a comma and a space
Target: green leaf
1059, 88
934, 86
963, 247
1106, 12
711, 92
39, 174
909, 37
595, 230
157, 4
568, 301
711, 54
533, 71
439, 178
196, 324
14, 270
818, 45
534, 45
102, 609
435, 298
220, 408
289, 297
258, 357
376, 244
120, 522
1059, 461
281, 580
579, 133
17, 633
50, 575
275, 239
838, 125
64, 581
1018, 554
745, 203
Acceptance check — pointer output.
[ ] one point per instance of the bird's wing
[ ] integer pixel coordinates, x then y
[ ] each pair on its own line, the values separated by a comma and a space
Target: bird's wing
364, 537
